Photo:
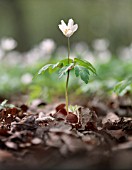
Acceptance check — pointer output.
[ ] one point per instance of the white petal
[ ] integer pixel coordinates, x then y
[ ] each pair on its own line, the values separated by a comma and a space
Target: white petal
70, 23
61, 27
63, 23
69, 33
75, 27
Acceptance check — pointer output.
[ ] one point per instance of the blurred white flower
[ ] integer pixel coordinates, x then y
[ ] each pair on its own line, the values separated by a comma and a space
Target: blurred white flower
80, 47
100, 44
90, 57
40, 51
104, 56
8, 44
69, 29
14, 58
101, 51
32, 56
48, 46
125, 53
1, 53
83, 51
26, 78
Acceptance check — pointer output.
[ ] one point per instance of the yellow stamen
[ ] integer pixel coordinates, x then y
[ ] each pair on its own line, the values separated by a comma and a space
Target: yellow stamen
66, 30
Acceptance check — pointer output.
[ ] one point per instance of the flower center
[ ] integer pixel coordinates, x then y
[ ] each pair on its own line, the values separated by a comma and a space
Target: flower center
66, 30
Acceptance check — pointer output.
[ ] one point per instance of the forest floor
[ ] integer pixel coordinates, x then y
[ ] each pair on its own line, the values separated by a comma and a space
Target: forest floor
98, 135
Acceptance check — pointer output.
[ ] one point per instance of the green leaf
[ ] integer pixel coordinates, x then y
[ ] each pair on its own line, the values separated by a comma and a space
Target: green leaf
52, 67
63, 70
77, 70
122, 85
49, 67
44, 68
82, 72
3, 103
10, 106
55, 65
74, 108
65, 62
85, 64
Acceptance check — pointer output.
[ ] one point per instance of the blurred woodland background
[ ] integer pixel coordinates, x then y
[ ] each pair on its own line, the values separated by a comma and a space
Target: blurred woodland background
30, 38
30, 21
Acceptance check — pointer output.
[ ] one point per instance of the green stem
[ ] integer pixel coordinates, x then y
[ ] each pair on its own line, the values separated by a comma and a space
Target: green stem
68, 49
67, 80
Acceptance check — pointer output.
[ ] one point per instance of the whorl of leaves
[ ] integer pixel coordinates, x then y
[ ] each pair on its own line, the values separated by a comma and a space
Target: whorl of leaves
81, 68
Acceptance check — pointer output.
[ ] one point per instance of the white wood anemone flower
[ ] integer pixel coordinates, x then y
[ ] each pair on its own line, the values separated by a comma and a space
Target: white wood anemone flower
68, 29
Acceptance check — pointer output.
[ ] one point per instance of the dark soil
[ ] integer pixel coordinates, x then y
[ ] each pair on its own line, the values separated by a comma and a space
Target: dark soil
40, 136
